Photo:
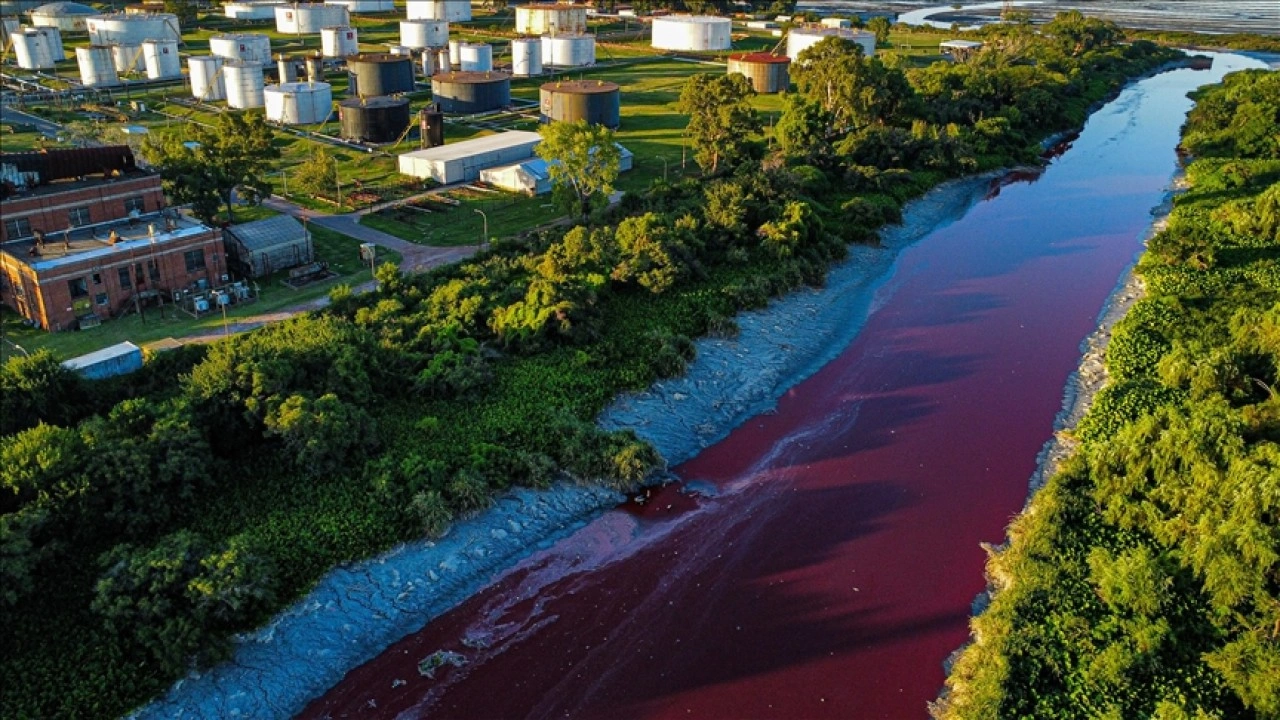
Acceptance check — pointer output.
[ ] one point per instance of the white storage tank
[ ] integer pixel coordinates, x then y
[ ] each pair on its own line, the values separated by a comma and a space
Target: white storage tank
299, 103
260, 10
450, 10
309, 18
455, 52
526, 57
801, 39
364, 6
122, 29
337, 42
34, 50
244, 84
428, 63
422, 34
569, 50
97, 69
127, 58
544, 19
160, 58
694, 33
8, 28
70, 17
206, 78
837, 22
251, 47
476, 57
400, 50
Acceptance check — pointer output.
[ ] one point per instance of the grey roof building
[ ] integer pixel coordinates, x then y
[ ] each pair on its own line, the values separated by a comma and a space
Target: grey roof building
259, 248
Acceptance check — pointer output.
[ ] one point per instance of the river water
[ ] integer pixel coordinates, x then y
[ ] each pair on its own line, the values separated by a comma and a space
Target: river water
822, 559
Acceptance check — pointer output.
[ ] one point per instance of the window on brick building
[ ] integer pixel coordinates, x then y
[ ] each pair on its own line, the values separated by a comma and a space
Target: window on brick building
137, 273
97, 278
135, 203
153, 270
195, 260
78, 287
78, 216
18, 228
126, 281
100, 298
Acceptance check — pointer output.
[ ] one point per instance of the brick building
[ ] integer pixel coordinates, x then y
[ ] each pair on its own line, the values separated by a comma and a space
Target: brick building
85, 238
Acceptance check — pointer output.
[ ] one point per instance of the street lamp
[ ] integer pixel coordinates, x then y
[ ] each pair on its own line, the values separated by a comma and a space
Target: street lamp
484, 236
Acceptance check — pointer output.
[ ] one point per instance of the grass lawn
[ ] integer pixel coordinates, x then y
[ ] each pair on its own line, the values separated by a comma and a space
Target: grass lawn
340, 251
445, 226
16, 138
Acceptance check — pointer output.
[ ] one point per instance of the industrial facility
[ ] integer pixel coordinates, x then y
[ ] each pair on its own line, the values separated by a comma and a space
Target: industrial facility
767, 73
364, 6
374, 74
253, 10
298, 103
125, 29
550, 19
69, 17
467, 93
309, 19
569, 50
244, 84
463, 161
423, 34
692, 33
247, 47
526, 57
205, 73
339, 41
595, 101
374, 120
38, 48
448, 10
801, 39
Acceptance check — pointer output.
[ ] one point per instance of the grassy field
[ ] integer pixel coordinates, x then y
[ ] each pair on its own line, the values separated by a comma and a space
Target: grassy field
16, 138
340, 251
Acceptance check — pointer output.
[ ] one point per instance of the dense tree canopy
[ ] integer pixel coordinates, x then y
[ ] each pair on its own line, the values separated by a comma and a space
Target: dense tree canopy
584, 161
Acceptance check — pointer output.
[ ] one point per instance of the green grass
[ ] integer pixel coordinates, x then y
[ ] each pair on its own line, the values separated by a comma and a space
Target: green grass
508, 214
16, 138
340, 251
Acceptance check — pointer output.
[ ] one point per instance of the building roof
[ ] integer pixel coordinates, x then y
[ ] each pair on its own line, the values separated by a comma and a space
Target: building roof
133, 237
475, 146
960, 44
55, 9
106, 353
268, 233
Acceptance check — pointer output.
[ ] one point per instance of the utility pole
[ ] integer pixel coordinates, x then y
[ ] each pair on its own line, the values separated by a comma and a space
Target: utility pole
484, 235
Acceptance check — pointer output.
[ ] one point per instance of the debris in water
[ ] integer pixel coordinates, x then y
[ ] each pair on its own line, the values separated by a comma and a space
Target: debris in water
477, 642
428, 665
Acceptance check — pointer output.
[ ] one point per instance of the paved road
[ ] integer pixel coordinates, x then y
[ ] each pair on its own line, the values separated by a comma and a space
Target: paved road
45, 127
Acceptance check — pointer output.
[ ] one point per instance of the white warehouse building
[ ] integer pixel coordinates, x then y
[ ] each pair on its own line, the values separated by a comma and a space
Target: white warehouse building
692, 33
463, 161
801, 39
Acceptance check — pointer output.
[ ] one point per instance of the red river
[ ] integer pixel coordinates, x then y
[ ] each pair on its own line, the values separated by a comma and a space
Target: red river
822, 559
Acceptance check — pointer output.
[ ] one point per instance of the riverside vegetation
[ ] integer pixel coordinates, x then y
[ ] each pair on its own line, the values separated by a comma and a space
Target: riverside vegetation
1143, 581
146, 519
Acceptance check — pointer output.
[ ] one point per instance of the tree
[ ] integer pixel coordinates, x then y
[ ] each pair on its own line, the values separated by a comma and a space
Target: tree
721, 122
318, 175
804, 130
583, 160
184, 9
38, 388
880, 25
233, 156
855, 90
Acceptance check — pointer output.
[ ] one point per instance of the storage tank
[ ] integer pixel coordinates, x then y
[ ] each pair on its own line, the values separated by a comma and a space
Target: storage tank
364, 6
373, 74
596, 101
421, 34
286, 69
244, 84
569, 50
315, 68
801, 39
449, 10
430, 126
471, 92
8, 28
128, 58
69, 17
121, 29
250, 47
160, 57
97, 69
34, 50
299, 103
695, 33
428, 63
400, 50
455, 52
475, 57
260, 10
443, 64
544, 19
375, 120
767, 73
526, 57
339, 41
309, 18
206, 78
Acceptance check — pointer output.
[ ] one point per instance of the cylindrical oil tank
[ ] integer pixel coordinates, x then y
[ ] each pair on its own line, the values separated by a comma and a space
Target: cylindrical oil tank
691, 32
128, 58
161, 59
309, 18
431, 126
339, 41
443, 63
249, 47
121, 29
374, 74
400, 50
455, 53
450, 10
206, 78
596, 101
428, 63
526, 57
299, 103
97, 69
544, 19
420, 34
68, 17
836, 22
767, 73
569, 50
33, 49
475, 57
244, 84
471, 92
364, 6
259, 10
801, 39
315, 68
375, 120
286, 69
8, 28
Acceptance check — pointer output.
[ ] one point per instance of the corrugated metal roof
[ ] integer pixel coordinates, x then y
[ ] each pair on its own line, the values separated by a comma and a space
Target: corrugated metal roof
107, 353
476, 146
262, 234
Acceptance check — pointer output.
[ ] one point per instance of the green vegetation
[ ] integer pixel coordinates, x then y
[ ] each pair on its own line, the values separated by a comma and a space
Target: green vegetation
329, 437
583, 162
1144, 579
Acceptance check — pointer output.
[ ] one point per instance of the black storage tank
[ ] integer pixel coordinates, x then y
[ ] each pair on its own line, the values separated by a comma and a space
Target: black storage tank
431, 126
376, 120
471, 92
596, 101
377, 74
